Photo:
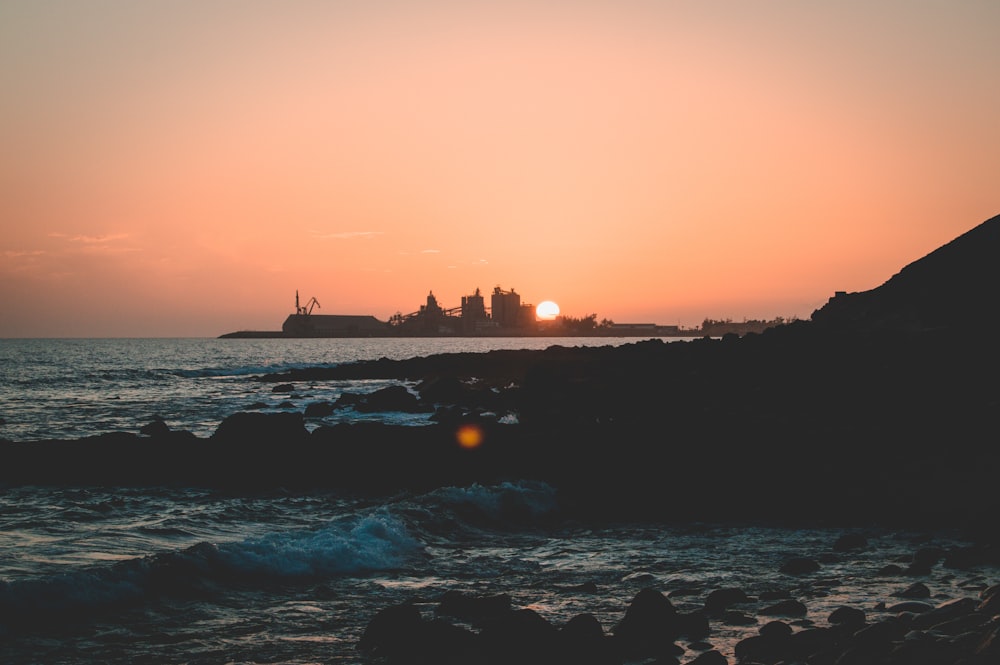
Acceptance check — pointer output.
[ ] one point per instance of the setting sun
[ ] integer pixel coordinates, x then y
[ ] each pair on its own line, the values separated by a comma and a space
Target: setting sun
547, 310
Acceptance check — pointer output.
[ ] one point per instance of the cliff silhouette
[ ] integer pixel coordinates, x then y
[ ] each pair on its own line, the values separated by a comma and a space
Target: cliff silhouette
955, 286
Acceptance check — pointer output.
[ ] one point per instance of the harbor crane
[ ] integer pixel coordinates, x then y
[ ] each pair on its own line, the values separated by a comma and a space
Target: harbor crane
308, 307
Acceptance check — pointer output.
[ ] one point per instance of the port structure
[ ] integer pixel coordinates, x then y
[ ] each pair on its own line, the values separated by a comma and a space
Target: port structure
506, 312
308, 307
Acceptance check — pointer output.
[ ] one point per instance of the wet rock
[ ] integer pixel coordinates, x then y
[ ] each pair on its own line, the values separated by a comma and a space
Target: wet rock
472, 608
991, 600
319, 409
391, 398
988, 646
790, 608
393, 632
155, 428
583, 640
775, 629
849, 618
916, 607
915, 590
850, 542
735, 618
799, 566
260, 428
948, 611
719, 600
650, 625
762, 648
924, 559
807, 644
518, 636
283, 388
711, 657
775, 594
693, 625
919, 648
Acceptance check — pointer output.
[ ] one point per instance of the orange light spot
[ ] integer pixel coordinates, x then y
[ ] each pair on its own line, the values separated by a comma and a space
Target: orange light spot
469, 436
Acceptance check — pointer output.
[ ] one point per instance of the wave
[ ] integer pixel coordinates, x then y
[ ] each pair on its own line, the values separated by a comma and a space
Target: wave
244, 370
508, 505
367, 543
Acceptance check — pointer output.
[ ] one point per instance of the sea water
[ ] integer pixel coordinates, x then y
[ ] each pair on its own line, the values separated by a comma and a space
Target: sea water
192, 575
71, 388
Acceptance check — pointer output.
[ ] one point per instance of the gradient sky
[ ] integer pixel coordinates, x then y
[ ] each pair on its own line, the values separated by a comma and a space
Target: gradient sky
181, 168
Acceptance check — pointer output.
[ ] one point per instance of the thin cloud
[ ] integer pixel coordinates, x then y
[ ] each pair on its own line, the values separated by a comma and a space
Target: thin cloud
90, 240
430, 251
347, 235
22, 253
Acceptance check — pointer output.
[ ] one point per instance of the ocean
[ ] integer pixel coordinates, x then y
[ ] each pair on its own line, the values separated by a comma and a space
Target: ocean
193, 575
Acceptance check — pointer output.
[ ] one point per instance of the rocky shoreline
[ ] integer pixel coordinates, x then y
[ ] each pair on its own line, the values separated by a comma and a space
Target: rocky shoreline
909, 628
795, 424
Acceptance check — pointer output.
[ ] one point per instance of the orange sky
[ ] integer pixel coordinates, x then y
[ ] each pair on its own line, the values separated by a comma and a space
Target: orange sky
180, 168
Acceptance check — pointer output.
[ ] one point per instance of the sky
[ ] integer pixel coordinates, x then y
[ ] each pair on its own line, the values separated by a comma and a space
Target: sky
182, 167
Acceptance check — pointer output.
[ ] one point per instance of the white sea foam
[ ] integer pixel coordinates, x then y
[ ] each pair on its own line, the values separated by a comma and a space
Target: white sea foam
377, 541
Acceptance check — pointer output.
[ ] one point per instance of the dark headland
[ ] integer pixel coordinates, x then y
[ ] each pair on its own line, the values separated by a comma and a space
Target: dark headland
881, 410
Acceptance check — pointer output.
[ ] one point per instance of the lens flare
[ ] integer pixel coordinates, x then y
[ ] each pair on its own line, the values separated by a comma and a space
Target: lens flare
469, 436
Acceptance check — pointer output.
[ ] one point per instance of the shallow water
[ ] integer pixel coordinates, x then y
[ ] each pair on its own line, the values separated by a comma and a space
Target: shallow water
72, 388
94, 575
125, 575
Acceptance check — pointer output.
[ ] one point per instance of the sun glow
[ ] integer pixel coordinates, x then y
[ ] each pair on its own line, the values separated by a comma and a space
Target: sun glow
547, 310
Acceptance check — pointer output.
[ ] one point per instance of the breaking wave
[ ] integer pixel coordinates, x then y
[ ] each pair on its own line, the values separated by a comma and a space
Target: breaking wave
373, 542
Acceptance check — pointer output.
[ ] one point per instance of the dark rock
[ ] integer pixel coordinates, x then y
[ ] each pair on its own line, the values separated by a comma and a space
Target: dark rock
948, 611
770, 648
650, 625
799, 566
393, 632
391, 398
720, 599
880, 634
246, 428
472, 608
890, 570
734, 618
155, 428
582, 640
924, 559
775, 594
988, 646
913, 606
915, 590
518, 636
319, 409
850, 618
806, 644
711, 657
991, 601
693, 625
924, 649
283, 388
785, 608
850, 542
775, 629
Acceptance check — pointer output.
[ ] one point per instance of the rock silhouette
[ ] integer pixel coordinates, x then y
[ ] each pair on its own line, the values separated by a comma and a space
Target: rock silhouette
878, 409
